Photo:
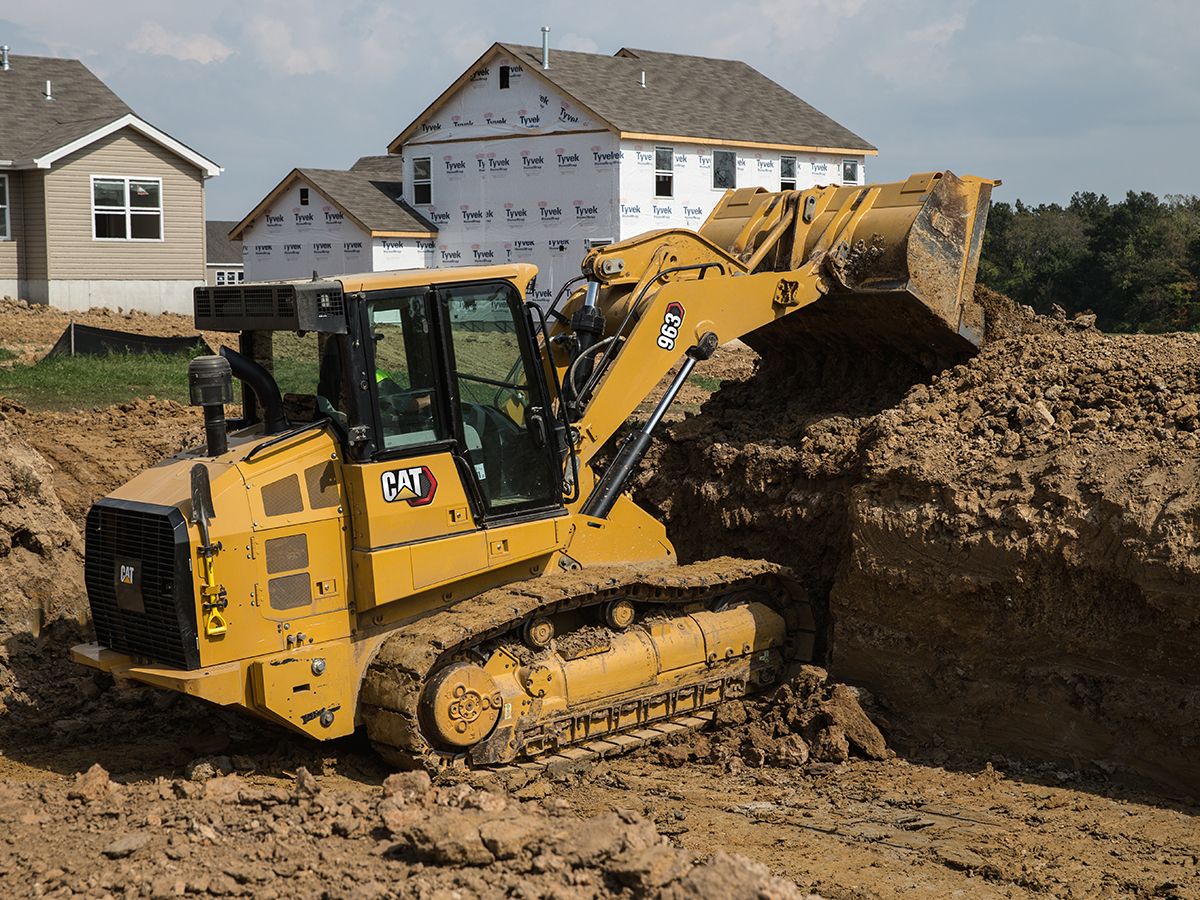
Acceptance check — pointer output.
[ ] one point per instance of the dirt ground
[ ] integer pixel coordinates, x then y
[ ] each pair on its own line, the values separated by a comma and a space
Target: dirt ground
978, 795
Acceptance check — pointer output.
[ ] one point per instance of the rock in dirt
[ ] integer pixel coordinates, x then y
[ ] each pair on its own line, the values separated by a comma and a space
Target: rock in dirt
93, 785
126, 845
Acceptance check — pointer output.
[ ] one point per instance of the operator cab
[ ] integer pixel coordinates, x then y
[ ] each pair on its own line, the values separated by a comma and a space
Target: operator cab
403, 370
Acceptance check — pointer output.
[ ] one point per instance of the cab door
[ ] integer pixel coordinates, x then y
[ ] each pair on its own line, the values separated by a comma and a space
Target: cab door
498, 405
424, 513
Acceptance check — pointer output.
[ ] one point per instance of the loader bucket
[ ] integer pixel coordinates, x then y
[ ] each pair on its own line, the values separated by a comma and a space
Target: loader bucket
903, 272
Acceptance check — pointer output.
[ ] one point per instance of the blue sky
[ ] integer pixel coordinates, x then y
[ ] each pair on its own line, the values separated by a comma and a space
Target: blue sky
1052, 97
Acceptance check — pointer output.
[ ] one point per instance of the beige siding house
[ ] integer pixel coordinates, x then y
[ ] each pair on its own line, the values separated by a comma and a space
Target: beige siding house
97, 206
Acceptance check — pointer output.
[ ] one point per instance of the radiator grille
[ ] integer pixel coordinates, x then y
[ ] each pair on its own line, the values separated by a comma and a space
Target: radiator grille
139, 585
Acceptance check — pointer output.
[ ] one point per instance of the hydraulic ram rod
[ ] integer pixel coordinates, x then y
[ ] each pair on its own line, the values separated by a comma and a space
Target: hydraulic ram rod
609, 488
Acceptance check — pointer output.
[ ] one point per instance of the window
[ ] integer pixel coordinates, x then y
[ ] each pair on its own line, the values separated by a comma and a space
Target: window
504, 78
422, 181
127, 209
4, 235
664, 171
849, 171
304, 196
405, 379
503, 431
230, 276
724, 169
787, 173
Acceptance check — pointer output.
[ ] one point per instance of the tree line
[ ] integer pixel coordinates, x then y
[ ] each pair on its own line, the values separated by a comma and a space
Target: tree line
1134, 263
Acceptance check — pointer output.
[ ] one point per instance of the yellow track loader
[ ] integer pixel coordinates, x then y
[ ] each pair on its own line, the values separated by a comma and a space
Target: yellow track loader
411, 527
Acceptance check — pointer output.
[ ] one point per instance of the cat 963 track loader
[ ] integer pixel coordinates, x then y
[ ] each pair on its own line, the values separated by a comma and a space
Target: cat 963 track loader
410, 528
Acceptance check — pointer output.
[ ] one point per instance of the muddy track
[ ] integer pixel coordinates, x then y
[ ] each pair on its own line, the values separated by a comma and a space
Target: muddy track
392, 689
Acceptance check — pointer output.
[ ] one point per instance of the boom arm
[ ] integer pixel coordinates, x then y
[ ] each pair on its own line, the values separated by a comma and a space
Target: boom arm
892, 264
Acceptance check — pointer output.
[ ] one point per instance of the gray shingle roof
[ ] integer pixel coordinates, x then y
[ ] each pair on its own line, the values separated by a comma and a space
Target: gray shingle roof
390, 165
31, 125
220, 248
689, 96
372, 200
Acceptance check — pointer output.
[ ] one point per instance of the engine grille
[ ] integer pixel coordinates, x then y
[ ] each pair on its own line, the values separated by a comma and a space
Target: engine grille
139, 583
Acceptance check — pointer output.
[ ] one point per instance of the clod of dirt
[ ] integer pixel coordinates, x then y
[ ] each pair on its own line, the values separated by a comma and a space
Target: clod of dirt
806, 717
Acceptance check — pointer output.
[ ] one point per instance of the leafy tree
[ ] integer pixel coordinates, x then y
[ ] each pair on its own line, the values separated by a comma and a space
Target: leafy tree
1135, 263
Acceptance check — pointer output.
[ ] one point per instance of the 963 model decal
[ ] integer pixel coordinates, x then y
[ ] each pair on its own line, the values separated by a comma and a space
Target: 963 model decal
672, 320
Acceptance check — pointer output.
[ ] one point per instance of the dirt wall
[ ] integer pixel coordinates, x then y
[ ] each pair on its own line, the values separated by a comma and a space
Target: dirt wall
1008, 551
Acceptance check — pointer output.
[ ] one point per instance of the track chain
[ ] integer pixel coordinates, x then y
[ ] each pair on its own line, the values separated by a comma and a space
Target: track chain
393, 683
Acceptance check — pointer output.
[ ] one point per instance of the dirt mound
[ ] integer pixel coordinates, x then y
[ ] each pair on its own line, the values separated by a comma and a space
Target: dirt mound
805, 718
93, 452
230, 835
40, 547
30, 329
1009, 550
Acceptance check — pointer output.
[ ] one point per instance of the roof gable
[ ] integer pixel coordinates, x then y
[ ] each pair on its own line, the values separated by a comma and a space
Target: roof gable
688, 97
475, 106
370, 202
34, 125
38, 132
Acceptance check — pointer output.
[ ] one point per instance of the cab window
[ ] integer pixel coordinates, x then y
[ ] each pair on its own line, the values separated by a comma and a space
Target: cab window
405, 379
502, 431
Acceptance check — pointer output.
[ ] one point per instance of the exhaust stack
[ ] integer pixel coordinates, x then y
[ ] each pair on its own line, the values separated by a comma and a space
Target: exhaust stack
210, 385
4, 66
545, 46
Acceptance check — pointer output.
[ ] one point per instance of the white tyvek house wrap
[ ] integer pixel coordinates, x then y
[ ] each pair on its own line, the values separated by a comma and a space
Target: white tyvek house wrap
694, 196
402, 253
481, 109
291, 241
538, 199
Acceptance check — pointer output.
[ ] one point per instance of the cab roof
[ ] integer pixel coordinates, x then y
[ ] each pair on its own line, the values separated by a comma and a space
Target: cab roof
518, 273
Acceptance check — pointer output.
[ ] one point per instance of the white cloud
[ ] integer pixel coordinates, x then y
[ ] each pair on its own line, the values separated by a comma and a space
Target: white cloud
201, 48
284, 49
573, 41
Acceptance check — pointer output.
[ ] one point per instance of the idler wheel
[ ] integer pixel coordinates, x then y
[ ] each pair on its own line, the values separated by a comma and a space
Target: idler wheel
618, 614
461, 705
538, 633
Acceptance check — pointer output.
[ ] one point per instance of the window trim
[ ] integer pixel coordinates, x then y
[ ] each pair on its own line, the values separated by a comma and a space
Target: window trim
7, 217
422, 181
713, 179
667, 173
794, 179
128, 210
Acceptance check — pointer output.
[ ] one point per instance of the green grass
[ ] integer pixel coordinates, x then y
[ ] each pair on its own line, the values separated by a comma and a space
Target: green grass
6, 354
81, 382
707, 382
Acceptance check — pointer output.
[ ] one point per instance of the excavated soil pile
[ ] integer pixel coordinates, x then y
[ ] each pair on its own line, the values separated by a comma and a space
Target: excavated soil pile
805, 718
233, 836
1009, 550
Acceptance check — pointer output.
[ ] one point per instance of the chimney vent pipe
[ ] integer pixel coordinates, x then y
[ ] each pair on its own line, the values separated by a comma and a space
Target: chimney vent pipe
49, 92
4, 58
545, 46
643, 81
